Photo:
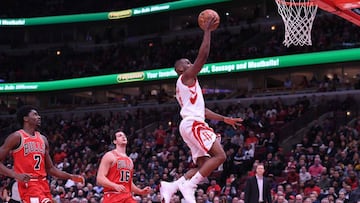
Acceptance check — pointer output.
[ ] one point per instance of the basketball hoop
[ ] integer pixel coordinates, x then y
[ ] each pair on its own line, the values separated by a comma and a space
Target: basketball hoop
298, 17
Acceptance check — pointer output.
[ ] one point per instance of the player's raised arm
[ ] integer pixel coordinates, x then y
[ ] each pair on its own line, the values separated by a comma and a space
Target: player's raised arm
204, 51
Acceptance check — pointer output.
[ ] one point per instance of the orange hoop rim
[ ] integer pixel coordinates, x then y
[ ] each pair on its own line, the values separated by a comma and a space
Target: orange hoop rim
308, 3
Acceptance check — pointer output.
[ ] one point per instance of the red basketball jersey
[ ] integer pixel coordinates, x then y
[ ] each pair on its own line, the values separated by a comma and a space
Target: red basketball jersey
29, 157
121, 172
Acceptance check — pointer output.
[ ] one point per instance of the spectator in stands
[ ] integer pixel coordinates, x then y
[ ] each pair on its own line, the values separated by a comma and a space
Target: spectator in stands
346, 189
336, 179
331, 151
272, 143
289, 191
248, 156
324, 182
307, 200
304, 175
316, 168
292, 177
251, 139
314, 197
238, 161
298, 198
214, 187
342, 196
352, 180
228, 190
59, 156
159, 135
281, 199
277, 165
311, 188
134, 154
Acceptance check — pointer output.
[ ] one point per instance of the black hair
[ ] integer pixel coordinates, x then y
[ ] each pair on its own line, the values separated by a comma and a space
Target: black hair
113, 135
22, 112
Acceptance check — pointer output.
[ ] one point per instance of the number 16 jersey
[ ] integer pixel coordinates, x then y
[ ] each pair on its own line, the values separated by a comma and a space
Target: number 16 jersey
121, 172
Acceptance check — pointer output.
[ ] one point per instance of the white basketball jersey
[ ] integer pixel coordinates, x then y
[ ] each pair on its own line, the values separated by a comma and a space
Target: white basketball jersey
191, 100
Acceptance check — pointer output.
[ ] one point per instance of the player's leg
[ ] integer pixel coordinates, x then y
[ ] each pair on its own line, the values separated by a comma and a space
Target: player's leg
199, 138
209, 164
208, 155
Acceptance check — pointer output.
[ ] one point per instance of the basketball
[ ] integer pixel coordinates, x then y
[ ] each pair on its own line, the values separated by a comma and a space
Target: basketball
205, 16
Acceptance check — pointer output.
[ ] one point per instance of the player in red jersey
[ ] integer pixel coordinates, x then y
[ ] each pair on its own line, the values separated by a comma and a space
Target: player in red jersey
32, 162
116, 171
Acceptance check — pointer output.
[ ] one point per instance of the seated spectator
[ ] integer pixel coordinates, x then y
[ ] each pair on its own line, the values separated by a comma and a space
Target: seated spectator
277, 166
352, 180
314, 197
311, 187
304, 175
272, 143
355, 196
316, 168
292, 177
251, 139
281, 199
289, 192
298, 198
346, 190
59, 156
214, 187
228, 190
324, 182
238, 160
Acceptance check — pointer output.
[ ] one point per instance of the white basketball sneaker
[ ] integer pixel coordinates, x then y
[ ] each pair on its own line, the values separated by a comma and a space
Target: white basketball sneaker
188, 191
167, 190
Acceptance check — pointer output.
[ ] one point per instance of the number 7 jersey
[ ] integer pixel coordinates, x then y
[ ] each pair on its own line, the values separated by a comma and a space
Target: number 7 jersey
29, 157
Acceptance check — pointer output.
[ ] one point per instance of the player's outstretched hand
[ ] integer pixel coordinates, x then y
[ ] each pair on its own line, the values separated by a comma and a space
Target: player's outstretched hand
146, 190
22, 177
210, 23
78, 179
234, 122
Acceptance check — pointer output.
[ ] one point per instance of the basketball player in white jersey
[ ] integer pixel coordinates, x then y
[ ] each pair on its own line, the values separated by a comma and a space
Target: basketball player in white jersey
206, 150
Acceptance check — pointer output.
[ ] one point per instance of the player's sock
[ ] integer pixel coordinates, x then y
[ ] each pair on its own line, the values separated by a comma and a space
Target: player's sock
180, 180
197, 178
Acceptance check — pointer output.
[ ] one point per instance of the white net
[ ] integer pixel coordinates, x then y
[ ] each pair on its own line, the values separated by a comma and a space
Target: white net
298, 17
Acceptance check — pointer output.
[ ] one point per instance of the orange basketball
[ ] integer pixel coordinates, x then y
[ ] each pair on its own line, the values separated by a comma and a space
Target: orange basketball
205, 16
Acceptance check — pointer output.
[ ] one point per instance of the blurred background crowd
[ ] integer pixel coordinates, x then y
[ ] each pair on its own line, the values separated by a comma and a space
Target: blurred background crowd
322, 163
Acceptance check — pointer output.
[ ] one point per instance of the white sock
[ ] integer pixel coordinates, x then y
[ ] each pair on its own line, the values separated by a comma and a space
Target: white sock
197, 178
180, 180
